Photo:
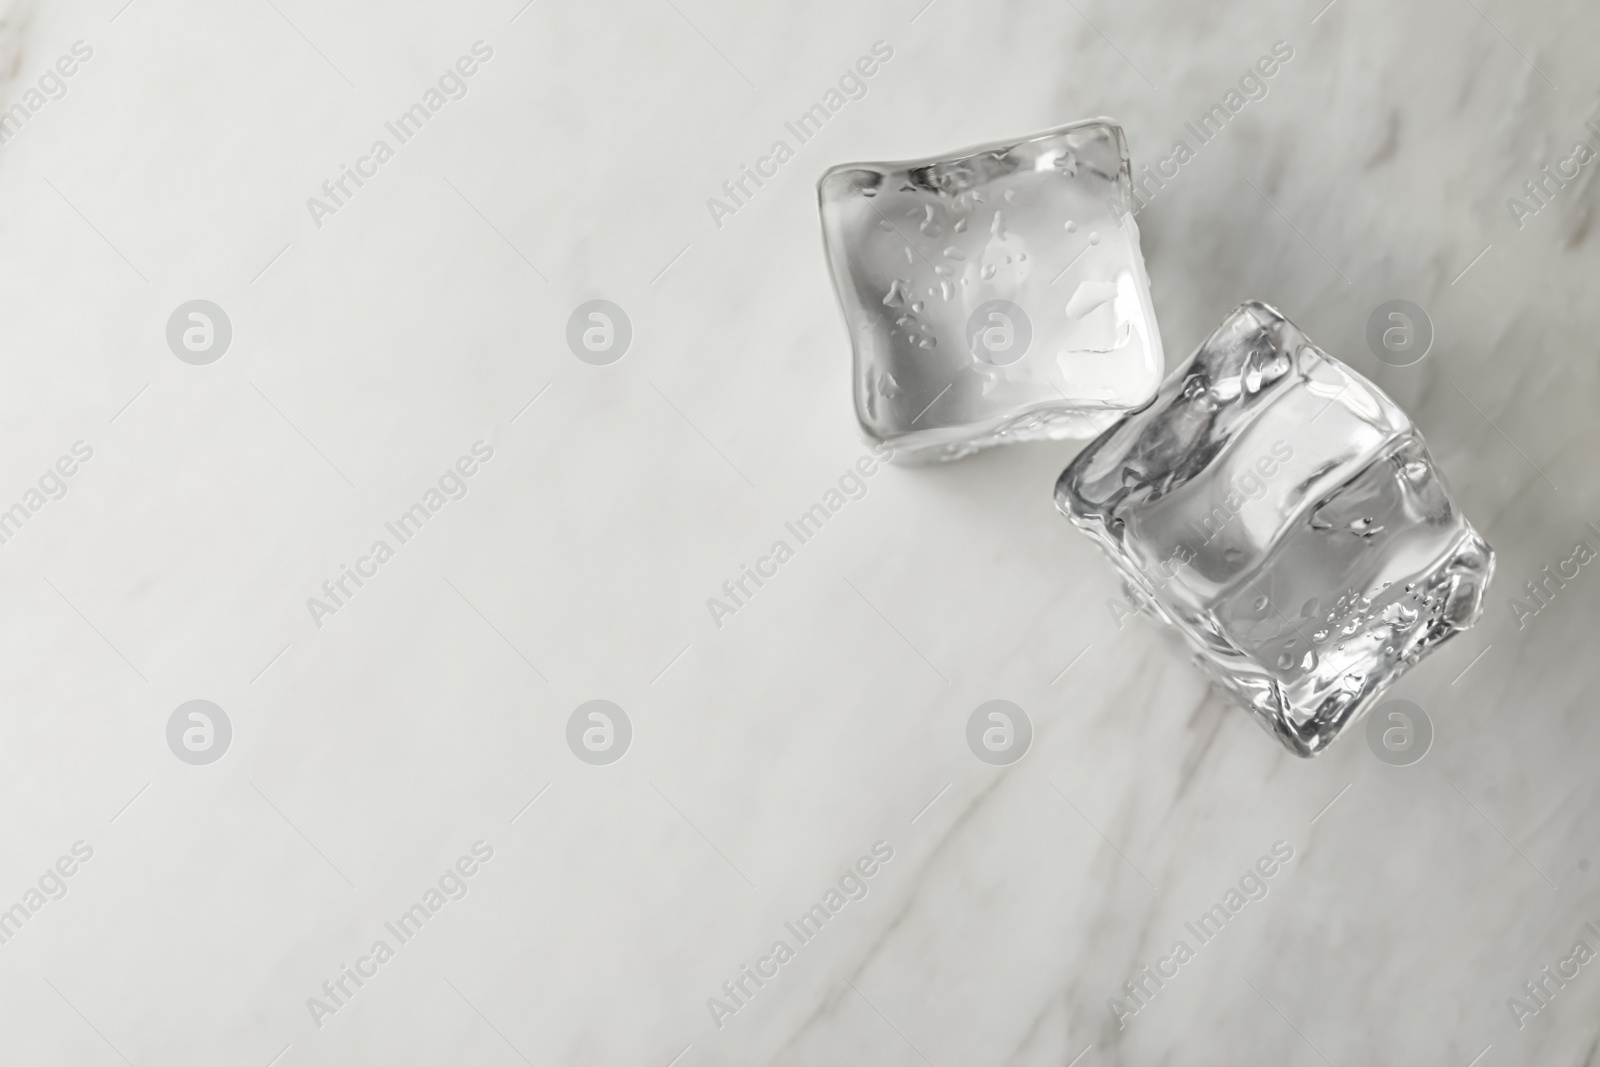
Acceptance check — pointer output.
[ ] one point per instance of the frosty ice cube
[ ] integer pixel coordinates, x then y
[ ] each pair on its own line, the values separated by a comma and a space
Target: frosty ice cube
996, 294
1285, 516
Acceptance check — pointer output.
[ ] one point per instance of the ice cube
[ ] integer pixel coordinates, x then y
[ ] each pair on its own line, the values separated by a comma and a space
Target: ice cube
1286, 517
995, 294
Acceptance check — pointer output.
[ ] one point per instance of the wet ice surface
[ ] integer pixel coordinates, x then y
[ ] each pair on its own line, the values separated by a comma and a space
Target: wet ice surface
994, 295
1285, 515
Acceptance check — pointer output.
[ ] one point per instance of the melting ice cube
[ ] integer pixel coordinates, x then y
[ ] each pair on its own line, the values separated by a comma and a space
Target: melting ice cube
1286, 517
1001, 287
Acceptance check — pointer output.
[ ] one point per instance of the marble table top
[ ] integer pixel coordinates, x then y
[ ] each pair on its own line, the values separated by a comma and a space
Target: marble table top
371, 510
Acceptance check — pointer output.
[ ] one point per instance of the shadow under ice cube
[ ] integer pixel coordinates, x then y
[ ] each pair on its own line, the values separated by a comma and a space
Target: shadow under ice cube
1285, 515
993, 295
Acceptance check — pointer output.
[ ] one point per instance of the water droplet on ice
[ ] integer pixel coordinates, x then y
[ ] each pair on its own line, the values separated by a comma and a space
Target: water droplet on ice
1400, 617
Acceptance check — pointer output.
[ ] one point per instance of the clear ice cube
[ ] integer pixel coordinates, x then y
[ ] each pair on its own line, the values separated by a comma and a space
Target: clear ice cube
1286, 517
997, 294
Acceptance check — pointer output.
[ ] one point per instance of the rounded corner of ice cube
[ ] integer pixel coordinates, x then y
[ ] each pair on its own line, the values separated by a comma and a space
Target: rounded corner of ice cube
847, 181
1472, 571
1118, 131
1250, 315
1065, 494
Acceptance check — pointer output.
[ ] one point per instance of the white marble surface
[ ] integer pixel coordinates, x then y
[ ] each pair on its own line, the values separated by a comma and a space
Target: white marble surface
368, 754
